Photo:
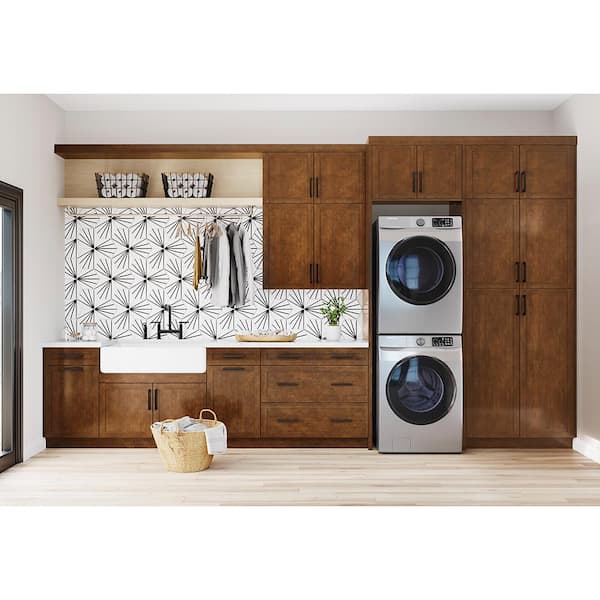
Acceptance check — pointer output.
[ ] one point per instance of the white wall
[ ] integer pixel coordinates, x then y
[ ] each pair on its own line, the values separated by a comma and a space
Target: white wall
581, 116
230, 127
30, 125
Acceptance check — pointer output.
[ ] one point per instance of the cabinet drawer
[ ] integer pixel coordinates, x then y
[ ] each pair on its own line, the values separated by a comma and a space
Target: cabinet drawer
75, 356
314, 420
315, 384
315, 356
238, 356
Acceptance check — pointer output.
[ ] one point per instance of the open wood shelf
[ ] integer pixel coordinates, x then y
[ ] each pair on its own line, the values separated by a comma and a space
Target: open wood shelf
158, 202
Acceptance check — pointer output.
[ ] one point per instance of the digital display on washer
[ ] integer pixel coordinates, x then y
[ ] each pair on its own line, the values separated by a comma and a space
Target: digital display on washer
442, 222
444, 341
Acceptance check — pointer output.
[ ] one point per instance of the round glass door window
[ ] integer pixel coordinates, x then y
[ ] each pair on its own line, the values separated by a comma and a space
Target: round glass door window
421, 389
420, 270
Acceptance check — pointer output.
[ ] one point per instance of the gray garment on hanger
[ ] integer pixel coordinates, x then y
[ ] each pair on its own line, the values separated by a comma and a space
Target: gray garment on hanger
237, 273
211, 258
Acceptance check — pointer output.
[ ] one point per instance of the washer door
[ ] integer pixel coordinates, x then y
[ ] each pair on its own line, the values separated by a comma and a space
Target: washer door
420, 270
421, 389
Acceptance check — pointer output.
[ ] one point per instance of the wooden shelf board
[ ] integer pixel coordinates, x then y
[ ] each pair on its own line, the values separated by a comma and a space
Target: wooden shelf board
158, 202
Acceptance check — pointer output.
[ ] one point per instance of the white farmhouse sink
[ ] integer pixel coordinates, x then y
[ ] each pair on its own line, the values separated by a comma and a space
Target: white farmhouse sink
153, 356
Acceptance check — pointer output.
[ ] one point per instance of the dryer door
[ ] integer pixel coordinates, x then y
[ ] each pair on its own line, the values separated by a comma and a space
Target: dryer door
420, 269
421, 389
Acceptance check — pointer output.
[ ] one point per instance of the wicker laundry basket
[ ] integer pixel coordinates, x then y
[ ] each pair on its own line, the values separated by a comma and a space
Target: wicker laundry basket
185, 452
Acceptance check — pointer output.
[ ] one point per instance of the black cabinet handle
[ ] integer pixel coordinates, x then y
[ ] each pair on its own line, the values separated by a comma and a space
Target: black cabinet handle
149, 399
155, 398
517, 271
524, 181
290, 420
310, 274
517, 307
72, 356
342, 384
524, 310
239, 356
420, 181
317, 273
233, 369
289, 357
317, 186
310, 188
342, 356
72, 368
287, 384
524, 277
340, 420
516, 181
414, 182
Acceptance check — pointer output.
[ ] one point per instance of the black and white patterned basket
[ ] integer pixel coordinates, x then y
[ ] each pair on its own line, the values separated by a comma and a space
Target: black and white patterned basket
187, 185
122, 185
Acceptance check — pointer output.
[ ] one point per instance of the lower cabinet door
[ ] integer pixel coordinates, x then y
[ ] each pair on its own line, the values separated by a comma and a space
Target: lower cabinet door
235, 398
491, 364
176, 400
126, 410
548, 364
315, 420
71, 401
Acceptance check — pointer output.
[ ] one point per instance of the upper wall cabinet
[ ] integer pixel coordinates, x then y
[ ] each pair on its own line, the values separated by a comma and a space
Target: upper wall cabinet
492, 171
424, 172
320, 177
547, 171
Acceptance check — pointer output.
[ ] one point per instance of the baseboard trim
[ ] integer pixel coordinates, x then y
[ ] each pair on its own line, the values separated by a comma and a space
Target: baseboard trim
588, 446
517, 443
30, 451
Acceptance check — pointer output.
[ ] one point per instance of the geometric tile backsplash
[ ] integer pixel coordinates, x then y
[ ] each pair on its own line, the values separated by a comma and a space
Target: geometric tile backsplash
122, 266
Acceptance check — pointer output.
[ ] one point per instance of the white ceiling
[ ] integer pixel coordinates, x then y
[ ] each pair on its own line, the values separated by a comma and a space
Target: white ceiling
309, 102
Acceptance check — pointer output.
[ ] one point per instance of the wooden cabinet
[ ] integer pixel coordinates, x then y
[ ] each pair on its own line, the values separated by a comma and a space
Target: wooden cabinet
420, 172
492, 171
234, 394
314, 238
126, 410
174, 400
288, 246
70, 396
547, 171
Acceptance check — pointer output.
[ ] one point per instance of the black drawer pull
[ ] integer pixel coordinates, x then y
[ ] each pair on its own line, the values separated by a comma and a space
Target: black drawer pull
287, 384
343, 356
341, 420
289, 420
289, 357
239, 356
342, 384
233, 369
149, 399
72, 368
72, 356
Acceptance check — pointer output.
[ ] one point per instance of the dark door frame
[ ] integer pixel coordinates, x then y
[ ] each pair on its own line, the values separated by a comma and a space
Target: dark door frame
13, 196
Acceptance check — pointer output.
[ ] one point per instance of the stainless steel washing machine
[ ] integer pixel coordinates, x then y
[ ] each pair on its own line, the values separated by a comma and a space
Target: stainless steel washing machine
419, 395
419, 275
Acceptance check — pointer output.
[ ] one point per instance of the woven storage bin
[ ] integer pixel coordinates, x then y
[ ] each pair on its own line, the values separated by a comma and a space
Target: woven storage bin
122, 185
185, 452
187, 185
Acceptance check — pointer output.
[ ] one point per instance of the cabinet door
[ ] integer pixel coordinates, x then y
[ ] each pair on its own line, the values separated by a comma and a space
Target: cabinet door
339, 246
548, 242
440, 171
340, 177
288, 177
235, 398
125, 410
491, 233
288, 246
71, 401
549, 171
176, 400
491, 171
491, 364
548, 364
394, 173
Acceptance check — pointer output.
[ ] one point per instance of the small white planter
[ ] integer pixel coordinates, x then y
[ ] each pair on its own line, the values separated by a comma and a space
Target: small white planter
332, 333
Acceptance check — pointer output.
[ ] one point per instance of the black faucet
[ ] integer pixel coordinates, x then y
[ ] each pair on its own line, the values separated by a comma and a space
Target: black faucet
160, 330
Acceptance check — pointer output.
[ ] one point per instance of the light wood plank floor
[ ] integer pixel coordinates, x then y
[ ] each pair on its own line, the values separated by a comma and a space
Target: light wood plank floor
305, 477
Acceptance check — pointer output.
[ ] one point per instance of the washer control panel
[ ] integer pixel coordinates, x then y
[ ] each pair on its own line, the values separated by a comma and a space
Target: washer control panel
442, 222
442, 341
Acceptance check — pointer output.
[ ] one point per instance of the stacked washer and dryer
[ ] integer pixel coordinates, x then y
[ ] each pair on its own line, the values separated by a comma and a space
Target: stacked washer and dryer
419, 305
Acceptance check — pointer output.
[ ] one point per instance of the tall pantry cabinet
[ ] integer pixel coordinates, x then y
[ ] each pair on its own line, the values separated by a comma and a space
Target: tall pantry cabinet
519, 335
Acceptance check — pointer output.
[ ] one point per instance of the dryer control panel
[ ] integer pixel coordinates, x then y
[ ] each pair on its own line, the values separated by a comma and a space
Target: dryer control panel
442, 222
442, 341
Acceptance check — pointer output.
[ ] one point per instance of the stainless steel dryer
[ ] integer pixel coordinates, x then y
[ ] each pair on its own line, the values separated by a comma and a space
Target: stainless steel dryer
419, 395
419, 275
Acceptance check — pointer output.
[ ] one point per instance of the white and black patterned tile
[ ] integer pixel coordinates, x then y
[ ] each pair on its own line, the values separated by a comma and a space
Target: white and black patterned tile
124, 266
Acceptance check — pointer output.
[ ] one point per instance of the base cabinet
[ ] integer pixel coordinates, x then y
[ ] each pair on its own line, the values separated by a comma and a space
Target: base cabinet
125, 410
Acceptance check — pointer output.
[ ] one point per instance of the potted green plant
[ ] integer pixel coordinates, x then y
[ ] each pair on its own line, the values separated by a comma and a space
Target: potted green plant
333, 311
